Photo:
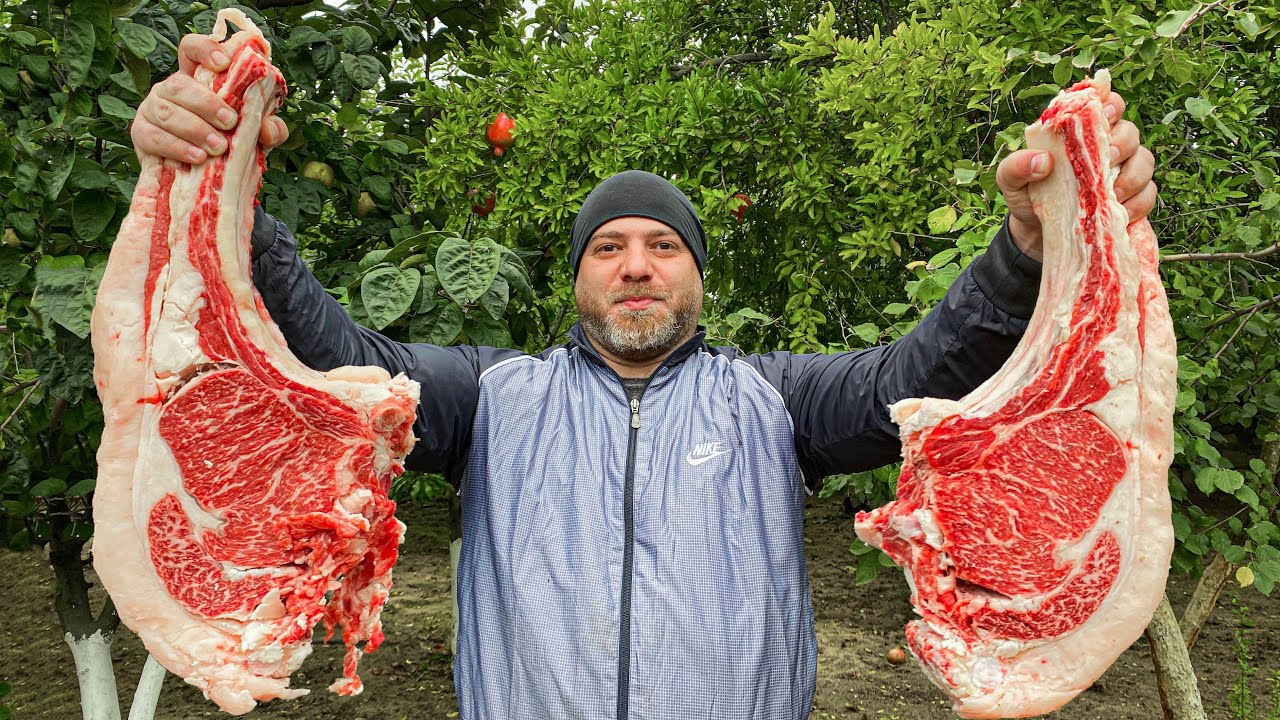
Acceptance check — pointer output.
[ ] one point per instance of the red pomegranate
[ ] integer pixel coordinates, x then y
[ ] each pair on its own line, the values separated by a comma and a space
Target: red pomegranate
499, 133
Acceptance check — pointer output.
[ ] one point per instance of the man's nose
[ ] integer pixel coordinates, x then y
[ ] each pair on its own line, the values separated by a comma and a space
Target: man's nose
637, 266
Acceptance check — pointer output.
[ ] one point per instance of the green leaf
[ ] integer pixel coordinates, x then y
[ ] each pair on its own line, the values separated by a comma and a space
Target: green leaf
966, 171
868, 569
13, 267
1174, 20
138, 39
1268, 200
115, 107
82, 488
896, 309
356, 40
76, 52
387, 293
440, 327
364, 71
1229, 481
1207, 479
1035, 91
942, 219
481, 329
1062, 72
1198, 108
60, 292
91, 213
348, 115
62, 166
379, 188
867, 333
1083, 59
944, 257
1248, 24
517, 278
304, 35
49, 487
466, 270
495, 299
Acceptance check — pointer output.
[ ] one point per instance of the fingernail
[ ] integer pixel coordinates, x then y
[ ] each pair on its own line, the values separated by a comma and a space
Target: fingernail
219, 58
227, 117
1110, 112
1038, 163
1115, 153
195, 154
215, 141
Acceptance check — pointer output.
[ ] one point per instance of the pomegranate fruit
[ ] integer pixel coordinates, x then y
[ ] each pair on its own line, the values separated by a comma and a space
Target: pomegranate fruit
499, 133
742, 207
481, 208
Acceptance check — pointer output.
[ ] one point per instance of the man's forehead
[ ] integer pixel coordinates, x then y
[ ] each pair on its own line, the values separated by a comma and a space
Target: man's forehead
630, 225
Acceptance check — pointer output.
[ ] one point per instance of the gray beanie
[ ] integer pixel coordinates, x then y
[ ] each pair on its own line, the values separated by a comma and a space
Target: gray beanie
636, 193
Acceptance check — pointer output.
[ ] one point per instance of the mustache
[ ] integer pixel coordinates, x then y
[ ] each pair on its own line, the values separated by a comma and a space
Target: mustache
629, 291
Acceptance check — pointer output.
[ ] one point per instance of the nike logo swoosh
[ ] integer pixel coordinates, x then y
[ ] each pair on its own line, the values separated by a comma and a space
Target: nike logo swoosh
698, 461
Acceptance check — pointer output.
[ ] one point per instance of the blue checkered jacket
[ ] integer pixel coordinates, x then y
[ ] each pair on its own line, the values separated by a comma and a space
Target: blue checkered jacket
646, 560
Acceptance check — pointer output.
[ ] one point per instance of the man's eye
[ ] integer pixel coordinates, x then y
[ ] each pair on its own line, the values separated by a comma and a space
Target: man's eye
606, 247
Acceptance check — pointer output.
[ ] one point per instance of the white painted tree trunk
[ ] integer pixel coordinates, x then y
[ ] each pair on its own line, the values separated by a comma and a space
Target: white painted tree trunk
98, 699
455, 549
147, 695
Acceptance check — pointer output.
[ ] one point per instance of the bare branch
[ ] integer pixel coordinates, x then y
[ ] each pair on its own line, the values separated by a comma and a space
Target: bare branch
741, 59
1195, 17
19, 386
1256, 307
1218, 257
21, 402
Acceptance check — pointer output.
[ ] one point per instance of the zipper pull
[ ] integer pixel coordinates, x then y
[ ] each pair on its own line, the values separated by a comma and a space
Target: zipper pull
635, 414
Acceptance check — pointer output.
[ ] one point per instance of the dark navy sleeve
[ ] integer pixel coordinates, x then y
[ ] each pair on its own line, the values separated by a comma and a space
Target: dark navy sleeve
839, 403
323, 337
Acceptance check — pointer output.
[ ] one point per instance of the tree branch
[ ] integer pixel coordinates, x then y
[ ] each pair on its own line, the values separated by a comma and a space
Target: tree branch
1195, 17
1216, 257
680, 71
272, 4
1256, 307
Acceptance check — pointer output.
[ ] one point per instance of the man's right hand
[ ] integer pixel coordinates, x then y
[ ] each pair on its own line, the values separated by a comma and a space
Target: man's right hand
183, 120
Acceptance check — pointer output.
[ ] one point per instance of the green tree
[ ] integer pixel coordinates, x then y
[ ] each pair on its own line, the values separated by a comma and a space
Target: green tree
71, 75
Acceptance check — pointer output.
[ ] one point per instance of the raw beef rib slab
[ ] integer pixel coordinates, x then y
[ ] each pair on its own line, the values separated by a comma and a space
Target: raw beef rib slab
241, 496
1032, 519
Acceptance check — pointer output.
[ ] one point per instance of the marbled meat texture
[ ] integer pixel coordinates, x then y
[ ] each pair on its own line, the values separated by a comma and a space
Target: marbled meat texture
1032, 517
241, 496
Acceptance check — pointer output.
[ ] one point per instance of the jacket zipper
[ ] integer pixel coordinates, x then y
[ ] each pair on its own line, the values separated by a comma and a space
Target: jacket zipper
628, 553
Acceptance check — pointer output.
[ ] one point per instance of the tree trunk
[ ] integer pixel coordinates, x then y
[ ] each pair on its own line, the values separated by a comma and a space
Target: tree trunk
1175, 678
89, 638
147, 695
455, 550
92, 653
1205, 598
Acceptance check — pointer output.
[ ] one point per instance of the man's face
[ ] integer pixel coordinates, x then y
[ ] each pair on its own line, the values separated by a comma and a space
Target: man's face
638, 290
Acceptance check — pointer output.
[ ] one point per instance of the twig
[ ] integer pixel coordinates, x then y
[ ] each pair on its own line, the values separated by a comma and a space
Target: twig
1251, 309
1195, 17
19, 386
1186, 257
741, 59
21, 402
1239, 327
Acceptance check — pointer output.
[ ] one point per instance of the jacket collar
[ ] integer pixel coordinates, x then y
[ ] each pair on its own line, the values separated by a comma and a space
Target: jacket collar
578, 338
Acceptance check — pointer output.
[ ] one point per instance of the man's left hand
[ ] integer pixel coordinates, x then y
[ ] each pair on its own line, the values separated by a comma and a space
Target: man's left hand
1134, 187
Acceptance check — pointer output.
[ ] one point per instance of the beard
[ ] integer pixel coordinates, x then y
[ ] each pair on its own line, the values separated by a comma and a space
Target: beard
638, 335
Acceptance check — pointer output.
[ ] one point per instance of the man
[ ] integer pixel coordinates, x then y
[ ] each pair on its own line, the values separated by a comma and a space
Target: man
633, 500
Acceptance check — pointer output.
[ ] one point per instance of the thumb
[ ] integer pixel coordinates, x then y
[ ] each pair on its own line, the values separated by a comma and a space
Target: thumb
1023, 167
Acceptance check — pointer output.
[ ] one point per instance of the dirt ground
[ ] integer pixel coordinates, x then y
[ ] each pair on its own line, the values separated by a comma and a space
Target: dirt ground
409, 676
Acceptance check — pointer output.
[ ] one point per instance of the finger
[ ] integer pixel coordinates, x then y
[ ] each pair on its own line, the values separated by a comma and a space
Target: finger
274, 132
151, 140
1135, 174
1124, 139
196, 49
1114, 107
173, 119
1141, 205
1022, 167
192, 95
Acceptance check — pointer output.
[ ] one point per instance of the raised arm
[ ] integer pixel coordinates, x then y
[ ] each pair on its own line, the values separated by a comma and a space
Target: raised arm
839, 403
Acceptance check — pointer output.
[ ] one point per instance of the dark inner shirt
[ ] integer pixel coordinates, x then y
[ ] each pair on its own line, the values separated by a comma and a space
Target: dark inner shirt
634, 386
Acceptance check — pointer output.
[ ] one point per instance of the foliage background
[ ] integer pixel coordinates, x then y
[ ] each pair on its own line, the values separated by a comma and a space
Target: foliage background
865, 134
